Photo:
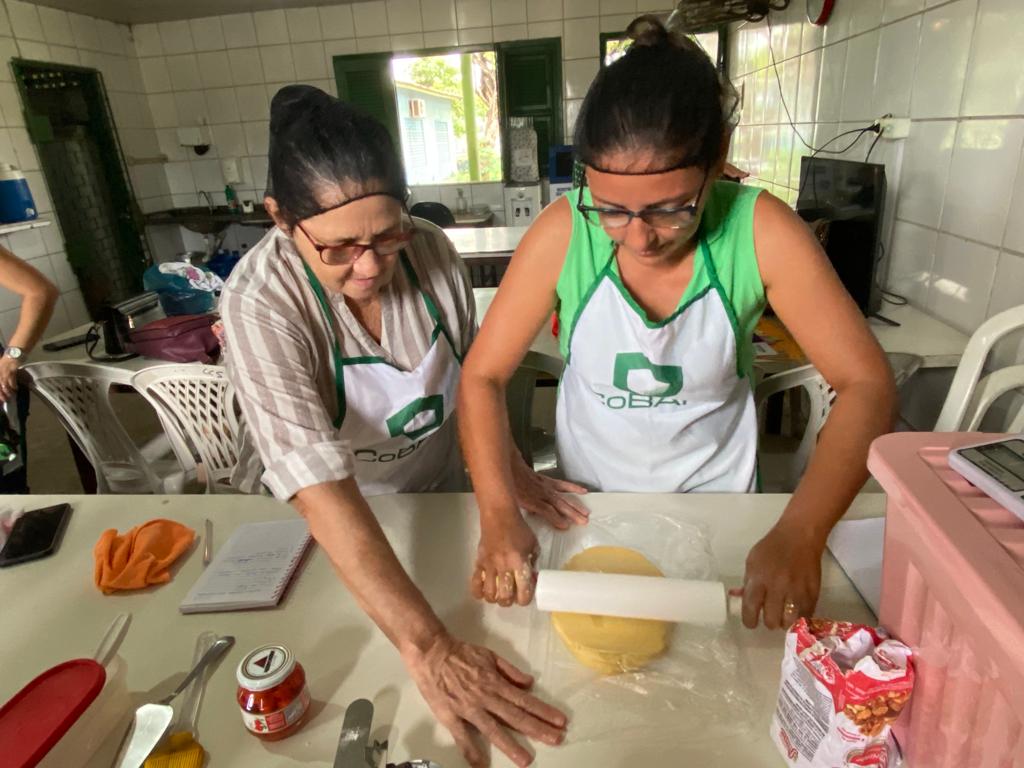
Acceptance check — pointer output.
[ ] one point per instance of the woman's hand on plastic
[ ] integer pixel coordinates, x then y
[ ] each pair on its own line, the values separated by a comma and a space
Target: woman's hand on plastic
783, 577
8, 378
545, 496
505, 560
469, 687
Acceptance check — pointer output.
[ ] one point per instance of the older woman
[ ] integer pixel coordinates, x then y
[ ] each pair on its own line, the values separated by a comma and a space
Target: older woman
345, 328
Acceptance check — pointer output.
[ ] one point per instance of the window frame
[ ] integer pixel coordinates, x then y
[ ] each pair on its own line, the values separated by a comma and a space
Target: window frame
557, 118
723, 44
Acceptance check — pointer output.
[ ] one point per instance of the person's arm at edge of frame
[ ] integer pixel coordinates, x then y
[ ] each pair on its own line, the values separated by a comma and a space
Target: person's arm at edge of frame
803, 288
38, 298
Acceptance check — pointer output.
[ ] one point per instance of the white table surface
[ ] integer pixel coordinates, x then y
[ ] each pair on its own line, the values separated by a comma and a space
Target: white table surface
940, 345
52, 612
485, 241
76, 354
545, 343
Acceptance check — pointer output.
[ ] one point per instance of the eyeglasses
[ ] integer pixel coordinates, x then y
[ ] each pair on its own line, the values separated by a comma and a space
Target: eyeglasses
659, 218
349, 251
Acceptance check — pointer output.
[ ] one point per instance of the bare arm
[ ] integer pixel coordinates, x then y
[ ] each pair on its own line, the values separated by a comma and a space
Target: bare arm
342, 523
38, 297
804, 290
501, 480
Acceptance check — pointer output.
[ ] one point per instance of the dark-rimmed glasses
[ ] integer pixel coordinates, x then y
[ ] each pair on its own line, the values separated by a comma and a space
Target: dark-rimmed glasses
349, 251
659, 218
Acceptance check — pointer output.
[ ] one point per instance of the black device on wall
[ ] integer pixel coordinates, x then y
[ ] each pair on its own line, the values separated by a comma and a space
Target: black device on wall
844, 201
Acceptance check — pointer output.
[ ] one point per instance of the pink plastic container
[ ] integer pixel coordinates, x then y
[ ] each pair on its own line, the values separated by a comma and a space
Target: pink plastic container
953, 590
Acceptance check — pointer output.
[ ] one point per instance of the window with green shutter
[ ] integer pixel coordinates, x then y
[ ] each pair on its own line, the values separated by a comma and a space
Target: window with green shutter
365, 80
530, 83
528, 77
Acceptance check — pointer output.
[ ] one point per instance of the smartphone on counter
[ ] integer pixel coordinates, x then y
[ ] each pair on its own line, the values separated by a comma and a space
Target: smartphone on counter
35, 534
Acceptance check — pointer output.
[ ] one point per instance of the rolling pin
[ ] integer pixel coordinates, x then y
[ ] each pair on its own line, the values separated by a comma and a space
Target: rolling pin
635, 597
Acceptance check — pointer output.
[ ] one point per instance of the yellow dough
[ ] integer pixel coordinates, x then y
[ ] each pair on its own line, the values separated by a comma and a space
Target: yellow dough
611, 644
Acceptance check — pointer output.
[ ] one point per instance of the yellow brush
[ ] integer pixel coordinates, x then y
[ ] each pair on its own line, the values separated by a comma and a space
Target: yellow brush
180, 749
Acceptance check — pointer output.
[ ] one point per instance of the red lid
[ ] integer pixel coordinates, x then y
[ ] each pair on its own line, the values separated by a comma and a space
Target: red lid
38, 716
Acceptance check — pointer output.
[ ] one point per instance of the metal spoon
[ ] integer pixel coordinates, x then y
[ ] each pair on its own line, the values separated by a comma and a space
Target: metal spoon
151, 720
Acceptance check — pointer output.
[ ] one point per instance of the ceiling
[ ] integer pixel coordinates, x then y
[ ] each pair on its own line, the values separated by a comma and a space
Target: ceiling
143, 11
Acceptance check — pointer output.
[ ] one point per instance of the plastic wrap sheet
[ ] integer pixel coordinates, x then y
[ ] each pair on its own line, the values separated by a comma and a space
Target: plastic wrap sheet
698, 689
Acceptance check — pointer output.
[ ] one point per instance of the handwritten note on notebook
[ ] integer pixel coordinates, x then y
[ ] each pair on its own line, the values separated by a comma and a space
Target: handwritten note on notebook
252, 569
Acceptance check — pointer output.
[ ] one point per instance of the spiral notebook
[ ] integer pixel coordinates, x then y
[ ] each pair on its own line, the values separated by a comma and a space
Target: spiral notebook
252, 569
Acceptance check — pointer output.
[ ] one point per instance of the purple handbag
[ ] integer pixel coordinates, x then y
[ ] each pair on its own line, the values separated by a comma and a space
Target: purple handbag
179, 339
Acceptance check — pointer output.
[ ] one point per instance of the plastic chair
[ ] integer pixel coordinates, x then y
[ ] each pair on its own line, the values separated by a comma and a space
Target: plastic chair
438, 213
79, 394
536, 447
962, 410
990, 389
781, 473
197, 404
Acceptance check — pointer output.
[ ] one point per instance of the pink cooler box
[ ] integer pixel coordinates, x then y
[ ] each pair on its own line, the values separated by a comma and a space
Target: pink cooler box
953, 590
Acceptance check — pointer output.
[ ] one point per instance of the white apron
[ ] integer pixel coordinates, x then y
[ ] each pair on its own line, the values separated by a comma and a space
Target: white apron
656, 407
399, 422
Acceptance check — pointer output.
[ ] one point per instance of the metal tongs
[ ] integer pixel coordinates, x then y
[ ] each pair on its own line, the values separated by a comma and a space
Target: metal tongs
354, 747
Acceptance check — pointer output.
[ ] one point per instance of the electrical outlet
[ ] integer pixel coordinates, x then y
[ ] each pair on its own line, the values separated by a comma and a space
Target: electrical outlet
895, 127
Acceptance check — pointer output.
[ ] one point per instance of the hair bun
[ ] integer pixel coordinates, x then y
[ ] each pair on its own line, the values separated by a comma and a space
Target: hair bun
648, 31
293, 102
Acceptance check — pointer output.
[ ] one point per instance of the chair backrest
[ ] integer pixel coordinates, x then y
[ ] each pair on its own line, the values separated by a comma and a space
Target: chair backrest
990, 389
438, 213
954, 415
821, 397
199, 403
519, 396
79, 393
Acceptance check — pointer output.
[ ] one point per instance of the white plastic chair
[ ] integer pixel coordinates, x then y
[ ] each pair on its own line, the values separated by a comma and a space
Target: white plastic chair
79, 394
197, 404
536, 447
970, 395
782, 472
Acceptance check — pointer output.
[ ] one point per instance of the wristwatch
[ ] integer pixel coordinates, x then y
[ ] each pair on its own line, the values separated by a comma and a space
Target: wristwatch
15, 353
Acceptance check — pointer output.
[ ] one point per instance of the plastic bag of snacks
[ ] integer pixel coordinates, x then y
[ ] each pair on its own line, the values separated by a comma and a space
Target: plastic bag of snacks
843, 685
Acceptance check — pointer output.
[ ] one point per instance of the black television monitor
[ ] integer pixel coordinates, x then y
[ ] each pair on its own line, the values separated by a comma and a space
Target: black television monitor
846, 199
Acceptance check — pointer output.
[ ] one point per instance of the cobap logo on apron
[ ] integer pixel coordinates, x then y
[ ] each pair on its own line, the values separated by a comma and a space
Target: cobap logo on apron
420, 417
635, 374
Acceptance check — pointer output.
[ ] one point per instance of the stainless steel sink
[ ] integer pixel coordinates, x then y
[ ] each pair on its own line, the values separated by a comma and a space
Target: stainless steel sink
204, 221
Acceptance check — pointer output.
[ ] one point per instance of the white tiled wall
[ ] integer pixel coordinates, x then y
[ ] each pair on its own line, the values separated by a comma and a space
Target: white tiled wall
956, 245
47, 34
226, 69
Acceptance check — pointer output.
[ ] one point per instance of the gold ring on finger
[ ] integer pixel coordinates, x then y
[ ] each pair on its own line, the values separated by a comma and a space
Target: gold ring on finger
790, 607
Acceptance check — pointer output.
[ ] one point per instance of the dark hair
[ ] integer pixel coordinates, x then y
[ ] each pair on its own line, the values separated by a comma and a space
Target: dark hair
318, 144
663, 94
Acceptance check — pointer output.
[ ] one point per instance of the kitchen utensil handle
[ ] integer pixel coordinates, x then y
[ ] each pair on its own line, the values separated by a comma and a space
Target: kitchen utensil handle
216, 651
189, 712
112, 638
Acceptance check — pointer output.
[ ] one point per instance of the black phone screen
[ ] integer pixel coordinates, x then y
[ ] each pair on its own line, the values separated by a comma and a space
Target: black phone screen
35, 534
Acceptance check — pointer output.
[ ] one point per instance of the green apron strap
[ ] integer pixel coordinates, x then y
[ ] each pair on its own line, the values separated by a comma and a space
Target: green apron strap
339, 375
432, 310
730, 311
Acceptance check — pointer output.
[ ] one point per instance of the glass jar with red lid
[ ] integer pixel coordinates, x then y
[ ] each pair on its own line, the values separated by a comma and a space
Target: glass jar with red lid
272, 692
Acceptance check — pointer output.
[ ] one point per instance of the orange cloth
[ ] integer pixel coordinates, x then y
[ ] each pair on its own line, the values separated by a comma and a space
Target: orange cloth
141, 557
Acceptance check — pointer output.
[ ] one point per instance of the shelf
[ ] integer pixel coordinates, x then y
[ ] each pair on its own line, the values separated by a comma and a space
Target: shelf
6, 229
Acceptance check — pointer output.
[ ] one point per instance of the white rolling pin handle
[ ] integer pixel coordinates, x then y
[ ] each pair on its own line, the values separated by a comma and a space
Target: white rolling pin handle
634, 597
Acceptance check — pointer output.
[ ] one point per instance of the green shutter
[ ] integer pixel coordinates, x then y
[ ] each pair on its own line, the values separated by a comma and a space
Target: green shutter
365, 81
530, 81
